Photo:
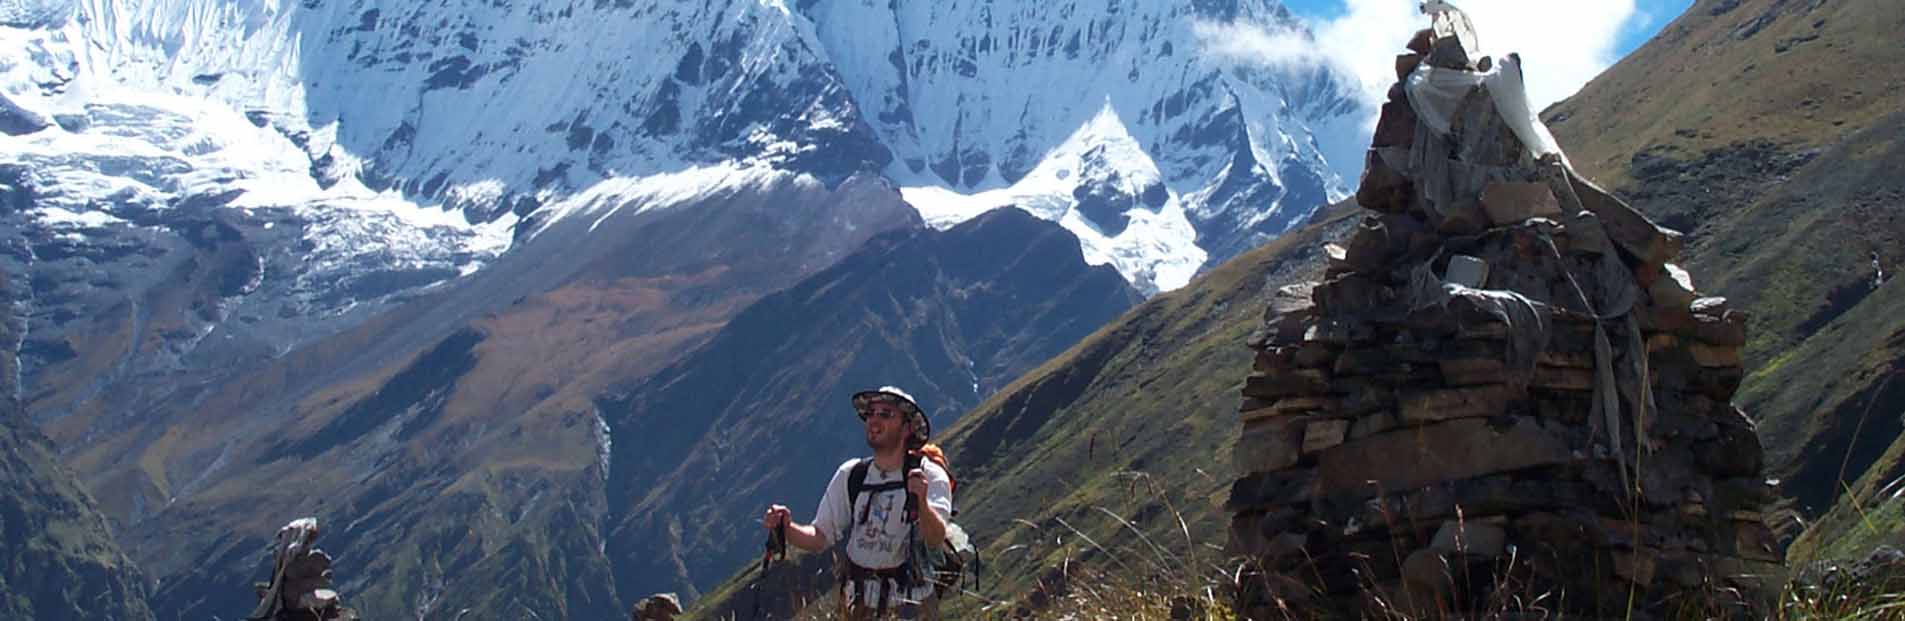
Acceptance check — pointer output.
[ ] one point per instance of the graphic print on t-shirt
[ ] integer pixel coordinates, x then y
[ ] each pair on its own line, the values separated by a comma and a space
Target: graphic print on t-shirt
874, 534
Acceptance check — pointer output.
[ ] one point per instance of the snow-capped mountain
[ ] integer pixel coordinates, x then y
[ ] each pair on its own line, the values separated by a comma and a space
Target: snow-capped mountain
403, 252
1103, 116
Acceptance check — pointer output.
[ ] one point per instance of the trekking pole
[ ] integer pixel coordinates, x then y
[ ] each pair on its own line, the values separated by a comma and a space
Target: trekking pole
776, 542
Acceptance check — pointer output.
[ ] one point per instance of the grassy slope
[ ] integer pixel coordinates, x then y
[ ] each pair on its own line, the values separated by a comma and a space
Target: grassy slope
58, 558
1874, 385
1155, 393
1071, 436
1703, 82
1771, 131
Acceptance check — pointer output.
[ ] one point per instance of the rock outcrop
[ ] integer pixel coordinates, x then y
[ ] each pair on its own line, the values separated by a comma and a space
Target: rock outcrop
1503, 392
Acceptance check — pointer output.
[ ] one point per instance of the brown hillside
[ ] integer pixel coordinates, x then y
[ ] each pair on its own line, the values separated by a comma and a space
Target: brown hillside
1770, 130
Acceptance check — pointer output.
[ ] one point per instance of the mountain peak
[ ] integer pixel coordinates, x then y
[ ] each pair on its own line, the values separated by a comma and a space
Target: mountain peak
493, 109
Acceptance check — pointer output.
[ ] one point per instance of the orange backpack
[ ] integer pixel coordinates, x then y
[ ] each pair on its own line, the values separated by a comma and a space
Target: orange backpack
933, 452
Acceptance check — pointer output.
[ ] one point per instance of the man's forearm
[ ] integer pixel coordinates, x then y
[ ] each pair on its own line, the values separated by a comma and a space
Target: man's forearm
805, 537
931, 526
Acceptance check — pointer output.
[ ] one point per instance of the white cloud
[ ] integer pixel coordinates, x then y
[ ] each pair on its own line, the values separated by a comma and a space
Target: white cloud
1562, 43
1253, 43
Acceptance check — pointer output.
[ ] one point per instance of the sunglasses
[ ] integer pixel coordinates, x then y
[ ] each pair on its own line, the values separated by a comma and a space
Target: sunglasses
882, 414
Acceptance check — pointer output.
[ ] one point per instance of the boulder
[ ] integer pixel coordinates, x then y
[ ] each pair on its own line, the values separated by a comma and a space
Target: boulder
1269, 445
1452, 450
1324, 434
1512, 203
1271, 489
1466, 271
1406, 64
1629, 229
1396, 125
1383, 187
1287, 406
1424, 406
1470, 536
1278, 384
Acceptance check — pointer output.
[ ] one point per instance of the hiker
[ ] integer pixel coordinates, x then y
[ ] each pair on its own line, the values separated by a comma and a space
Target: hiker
899, 501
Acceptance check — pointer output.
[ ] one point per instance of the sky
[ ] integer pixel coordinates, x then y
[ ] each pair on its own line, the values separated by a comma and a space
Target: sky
1562, 43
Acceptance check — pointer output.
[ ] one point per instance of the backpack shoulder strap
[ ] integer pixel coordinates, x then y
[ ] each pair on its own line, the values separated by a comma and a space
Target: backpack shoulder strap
856, 483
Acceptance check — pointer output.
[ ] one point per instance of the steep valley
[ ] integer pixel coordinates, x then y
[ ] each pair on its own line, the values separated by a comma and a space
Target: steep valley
544, 336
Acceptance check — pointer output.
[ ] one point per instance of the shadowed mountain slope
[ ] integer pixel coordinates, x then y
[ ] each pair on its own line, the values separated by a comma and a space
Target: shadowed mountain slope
1136, 419
760, 413
452, 444
58, 557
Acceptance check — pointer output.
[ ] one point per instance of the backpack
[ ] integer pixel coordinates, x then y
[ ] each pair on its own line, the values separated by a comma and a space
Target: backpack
943, 567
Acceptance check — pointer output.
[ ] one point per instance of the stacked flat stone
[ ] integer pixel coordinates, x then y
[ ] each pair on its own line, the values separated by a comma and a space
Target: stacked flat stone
1503, 388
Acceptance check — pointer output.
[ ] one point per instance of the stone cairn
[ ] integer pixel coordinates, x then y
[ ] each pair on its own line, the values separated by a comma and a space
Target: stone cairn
1502, 397
302, 583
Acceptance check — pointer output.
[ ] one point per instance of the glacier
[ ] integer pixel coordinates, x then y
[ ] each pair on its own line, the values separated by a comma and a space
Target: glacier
504, 111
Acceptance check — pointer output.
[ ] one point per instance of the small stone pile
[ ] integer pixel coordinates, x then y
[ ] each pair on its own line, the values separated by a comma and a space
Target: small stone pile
302, 584
1503, 396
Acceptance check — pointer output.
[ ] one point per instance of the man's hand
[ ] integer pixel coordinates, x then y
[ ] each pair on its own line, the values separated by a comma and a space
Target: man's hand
916, 483
776, 516
802, 536
932, 526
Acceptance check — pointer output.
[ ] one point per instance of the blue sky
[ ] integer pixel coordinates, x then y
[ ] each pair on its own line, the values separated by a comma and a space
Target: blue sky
1649, 17
1562, 43
1654, 14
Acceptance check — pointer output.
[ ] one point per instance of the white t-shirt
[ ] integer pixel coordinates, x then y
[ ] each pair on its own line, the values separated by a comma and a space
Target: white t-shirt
881, 541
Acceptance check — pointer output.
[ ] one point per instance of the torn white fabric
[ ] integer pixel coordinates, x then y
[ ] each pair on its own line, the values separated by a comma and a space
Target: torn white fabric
1680, 276
1640, 391
1436, 95
1619, 294
1506, 87
1527, 323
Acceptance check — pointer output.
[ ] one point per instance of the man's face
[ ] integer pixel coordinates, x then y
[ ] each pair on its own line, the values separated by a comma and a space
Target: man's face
885, 426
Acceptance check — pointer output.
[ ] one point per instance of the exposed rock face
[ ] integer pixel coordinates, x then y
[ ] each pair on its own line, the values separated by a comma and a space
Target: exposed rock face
1502, 387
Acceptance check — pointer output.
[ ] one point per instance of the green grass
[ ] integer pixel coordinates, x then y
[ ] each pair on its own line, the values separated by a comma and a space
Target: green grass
1132, 575
1068, 441
1781, 245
